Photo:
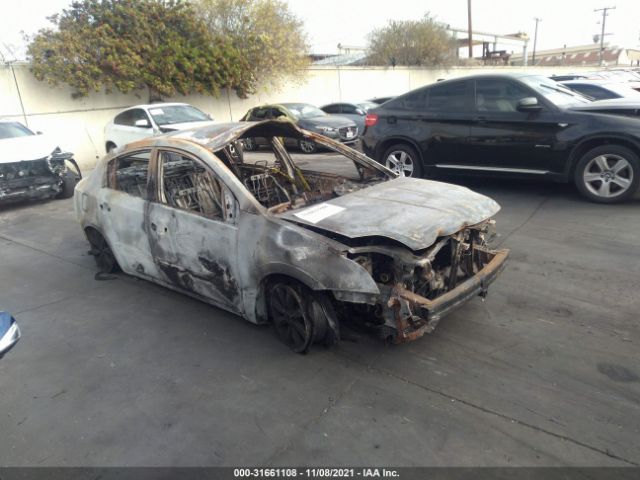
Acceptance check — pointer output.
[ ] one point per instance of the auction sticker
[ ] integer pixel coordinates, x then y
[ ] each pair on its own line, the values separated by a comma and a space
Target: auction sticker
318, 212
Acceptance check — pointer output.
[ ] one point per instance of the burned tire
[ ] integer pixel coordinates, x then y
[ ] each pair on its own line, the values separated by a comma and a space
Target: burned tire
608, 174
101, 251
403, 159
300, 317
69, 182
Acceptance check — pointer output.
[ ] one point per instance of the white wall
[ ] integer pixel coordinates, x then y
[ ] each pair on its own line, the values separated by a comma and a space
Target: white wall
79, 123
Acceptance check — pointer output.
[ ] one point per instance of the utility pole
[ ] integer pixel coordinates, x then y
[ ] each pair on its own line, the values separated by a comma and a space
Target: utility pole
470, 31
535, 41
602, 34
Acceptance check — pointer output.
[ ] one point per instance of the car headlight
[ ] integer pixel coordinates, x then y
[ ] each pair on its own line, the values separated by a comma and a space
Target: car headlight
56, 161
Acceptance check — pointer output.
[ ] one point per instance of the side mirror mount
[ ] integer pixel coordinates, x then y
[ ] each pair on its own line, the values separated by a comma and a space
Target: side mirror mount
9, 333
529, 104
142, 123
209, 116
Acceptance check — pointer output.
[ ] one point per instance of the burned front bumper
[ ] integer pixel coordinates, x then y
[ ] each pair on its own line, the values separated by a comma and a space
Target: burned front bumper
413, 315
29, 189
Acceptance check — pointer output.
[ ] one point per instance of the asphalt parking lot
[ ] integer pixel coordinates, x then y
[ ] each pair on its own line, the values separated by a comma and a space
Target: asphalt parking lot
118, 371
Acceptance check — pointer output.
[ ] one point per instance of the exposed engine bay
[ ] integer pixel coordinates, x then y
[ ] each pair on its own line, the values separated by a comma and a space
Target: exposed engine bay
414, 284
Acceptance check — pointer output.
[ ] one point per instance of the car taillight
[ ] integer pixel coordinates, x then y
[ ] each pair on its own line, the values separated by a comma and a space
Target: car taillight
371, 119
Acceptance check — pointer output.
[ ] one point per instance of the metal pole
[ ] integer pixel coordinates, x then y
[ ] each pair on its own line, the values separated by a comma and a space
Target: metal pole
470, 30
604, 20
535, 41
15, 80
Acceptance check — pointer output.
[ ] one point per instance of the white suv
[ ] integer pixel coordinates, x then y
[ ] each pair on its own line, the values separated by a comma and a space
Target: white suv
141, 121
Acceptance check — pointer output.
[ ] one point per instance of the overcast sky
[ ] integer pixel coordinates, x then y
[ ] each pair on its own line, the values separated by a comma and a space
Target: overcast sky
329, 22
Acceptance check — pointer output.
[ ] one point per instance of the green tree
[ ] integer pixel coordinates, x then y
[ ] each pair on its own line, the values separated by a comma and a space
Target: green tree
132, 44
268, 35
411, 42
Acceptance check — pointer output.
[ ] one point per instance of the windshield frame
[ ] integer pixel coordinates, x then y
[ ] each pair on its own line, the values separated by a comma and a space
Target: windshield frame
295, 108
554, 93
18, 127
184, 106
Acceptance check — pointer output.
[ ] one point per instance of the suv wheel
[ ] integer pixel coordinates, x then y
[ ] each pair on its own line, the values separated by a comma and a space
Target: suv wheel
403, 159
608, 174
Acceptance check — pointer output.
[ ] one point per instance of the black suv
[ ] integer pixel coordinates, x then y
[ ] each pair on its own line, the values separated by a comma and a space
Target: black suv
523, 125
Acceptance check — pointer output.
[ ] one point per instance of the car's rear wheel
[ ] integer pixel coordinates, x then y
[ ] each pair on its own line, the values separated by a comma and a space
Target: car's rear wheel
403, 159
608, 174
307, 146
101, 251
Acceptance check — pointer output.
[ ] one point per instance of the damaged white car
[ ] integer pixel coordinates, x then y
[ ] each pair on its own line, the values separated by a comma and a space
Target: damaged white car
32, 166
303, 250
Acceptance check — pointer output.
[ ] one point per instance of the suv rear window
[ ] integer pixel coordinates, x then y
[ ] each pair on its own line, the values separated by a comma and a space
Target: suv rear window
447, 97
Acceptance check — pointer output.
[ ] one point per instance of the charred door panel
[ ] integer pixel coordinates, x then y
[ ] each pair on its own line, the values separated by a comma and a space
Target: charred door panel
121, 211
196, 254
192, 232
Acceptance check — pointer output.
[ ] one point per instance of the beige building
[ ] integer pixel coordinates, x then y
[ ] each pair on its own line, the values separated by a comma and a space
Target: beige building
582, 56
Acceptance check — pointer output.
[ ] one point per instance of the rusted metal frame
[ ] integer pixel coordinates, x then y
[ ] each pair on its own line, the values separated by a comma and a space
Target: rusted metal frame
496, 262
419, 325
456, 250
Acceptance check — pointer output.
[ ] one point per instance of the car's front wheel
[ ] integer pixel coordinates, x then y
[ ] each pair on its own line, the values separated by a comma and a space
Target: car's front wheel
403, 159
69, 181
608, 174
301, 317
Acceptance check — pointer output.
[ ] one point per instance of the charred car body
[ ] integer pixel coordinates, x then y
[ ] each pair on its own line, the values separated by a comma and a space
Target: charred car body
32, 166
301, 249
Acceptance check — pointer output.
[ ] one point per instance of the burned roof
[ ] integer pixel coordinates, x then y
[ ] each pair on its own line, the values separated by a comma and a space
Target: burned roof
218, 135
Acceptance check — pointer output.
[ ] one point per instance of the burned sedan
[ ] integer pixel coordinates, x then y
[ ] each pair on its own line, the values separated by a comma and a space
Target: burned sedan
32, 166
304, 250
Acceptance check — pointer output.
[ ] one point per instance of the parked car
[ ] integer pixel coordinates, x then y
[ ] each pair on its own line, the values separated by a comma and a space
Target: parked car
564, 78
352, 111
523, 125
142, 121
300, 249
380, 100
9, 333
32, 166
304, 116
602, 89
